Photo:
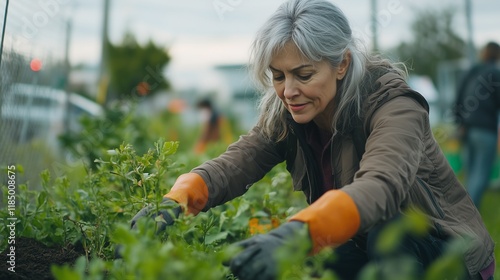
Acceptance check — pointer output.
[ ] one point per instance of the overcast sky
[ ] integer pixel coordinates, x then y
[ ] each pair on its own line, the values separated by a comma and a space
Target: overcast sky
202, 33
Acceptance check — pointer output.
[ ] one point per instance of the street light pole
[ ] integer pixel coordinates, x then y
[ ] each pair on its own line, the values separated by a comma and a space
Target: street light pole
471, 52
374, 25
67, 70
103, 67
3, 30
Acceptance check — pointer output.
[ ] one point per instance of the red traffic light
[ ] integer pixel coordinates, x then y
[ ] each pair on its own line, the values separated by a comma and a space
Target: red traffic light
36, 64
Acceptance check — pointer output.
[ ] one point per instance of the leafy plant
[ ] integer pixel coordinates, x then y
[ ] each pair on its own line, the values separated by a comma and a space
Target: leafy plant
96, 213
102, 133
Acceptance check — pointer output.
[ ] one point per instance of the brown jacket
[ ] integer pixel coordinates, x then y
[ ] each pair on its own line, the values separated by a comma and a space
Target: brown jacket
402, 166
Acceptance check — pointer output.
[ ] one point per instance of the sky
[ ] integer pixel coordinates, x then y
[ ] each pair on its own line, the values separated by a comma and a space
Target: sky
200, 34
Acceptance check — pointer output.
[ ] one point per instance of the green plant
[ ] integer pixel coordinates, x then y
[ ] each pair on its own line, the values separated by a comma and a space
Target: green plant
64, 213
96, 213
118, 124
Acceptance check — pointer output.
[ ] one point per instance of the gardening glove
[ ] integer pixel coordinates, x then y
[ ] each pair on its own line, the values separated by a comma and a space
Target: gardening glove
169, 210
333, 219
191, 192
257, 260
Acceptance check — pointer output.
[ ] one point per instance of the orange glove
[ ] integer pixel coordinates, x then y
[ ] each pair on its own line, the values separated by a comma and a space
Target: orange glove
333, 219
190, 191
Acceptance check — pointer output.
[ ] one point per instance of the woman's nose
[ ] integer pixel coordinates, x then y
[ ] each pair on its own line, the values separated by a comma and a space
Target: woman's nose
291, 89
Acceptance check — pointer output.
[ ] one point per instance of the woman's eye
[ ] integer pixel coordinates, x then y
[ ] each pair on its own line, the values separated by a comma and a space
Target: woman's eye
278, 78
304, 77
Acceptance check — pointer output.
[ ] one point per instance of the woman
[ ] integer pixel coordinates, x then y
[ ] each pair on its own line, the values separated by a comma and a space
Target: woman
357, 142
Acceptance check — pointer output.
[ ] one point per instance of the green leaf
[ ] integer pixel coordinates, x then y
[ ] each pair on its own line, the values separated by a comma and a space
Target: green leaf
122, 235
160, 218
64, 273
390, 238
96, 267
20, 168
45, 176
211, 238
260, 214
417, 222
42, 199
446, 267
169, 148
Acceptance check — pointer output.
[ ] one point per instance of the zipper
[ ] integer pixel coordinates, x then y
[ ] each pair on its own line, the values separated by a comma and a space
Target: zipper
290, 126
432, 198
332, 164
306, 160
308, 177
310, 184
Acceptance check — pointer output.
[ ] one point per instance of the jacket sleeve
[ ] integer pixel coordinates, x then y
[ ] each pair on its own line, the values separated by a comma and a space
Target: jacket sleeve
389, 165
244, 163
387, 170
393, 153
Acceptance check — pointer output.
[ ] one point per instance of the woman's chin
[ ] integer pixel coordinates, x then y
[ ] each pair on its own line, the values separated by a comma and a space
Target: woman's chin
301, 119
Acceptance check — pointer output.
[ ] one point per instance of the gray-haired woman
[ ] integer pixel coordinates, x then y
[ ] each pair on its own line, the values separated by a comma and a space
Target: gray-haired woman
357, 142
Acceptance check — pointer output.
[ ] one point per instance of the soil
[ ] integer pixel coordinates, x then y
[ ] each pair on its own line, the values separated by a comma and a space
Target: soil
34, 259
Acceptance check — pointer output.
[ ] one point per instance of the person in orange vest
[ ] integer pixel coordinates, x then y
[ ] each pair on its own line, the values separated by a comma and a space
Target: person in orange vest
212, 128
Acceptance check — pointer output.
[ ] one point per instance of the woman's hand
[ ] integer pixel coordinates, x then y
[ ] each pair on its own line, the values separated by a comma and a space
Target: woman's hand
257, 260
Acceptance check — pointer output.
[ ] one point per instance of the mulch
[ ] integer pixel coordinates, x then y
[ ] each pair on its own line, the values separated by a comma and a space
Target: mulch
33, 259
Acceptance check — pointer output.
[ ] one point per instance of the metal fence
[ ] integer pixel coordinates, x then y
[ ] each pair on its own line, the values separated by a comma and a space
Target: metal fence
33, 77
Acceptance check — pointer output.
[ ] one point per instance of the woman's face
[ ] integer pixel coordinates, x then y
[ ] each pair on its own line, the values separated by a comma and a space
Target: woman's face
307, 88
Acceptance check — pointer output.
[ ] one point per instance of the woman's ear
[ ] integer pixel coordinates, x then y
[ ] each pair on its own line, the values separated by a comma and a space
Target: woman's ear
344, 65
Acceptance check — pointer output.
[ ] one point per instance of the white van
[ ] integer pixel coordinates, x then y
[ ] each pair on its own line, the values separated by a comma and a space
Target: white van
29, 111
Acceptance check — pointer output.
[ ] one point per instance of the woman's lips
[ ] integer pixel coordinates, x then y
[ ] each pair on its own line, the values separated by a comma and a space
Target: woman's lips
296, 107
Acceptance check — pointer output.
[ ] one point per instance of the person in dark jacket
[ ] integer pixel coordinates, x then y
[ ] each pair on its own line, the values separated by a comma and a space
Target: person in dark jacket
357, 142
477, 111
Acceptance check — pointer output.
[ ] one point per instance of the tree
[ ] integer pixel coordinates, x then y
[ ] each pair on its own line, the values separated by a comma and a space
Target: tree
434, 41
136, 70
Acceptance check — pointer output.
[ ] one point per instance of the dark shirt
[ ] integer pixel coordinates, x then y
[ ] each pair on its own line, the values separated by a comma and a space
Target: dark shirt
321, 146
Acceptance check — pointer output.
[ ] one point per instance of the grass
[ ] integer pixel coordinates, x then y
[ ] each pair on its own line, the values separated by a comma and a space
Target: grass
490, 211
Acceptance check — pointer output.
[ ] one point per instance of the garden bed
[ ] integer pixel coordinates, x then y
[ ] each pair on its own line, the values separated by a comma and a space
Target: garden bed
34, 259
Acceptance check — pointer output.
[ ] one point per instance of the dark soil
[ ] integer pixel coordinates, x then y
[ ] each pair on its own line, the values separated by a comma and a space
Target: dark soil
34, 259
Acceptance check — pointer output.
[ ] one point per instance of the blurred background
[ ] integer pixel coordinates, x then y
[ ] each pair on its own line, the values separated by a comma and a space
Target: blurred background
80, 77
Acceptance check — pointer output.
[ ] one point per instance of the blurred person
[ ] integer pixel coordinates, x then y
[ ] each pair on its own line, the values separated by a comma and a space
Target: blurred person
477, 109
356, 140
173, 117
214, 127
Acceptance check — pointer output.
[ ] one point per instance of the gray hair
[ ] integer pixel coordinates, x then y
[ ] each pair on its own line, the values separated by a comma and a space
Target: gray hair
321, 31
